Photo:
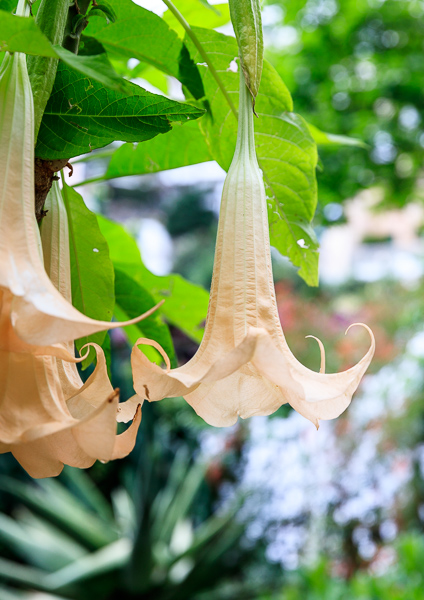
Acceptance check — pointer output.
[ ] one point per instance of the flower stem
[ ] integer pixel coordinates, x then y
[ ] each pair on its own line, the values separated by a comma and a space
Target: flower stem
202, 52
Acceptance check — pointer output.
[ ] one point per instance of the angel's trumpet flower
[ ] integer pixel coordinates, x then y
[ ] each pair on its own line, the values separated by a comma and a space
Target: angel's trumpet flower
48, 417
39, 314
244, 366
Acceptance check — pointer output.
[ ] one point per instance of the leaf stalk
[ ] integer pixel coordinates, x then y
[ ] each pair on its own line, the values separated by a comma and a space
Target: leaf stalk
202, 53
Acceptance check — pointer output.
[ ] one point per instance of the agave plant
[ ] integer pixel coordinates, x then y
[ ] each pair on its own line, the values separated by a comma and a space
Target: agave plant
146, 543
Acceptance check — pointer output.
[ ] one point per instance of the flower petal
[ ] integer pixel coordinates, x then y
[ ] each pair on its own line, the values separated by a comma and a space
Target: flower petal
39, 313
125, 442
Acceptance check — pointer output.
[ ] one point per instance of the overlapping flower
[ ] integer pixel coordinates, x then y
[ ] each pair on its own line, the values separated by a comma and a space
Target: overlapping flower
48, 417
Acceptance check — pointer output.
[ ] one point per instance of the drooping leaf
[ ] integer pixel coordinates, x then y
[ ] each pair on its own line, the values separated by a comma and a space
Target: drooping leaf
82, 115
139, 33
92, 273
22, 34
200, 14
331, 139
185, 304
184, 145
286, 151
105, 10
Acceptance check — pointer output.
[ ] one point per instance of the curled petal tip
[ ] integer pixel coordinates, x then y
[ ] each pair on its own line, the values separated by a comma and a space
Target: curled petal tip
322, 352
148, 313
361, 325
158, 347
89, 345
371, 349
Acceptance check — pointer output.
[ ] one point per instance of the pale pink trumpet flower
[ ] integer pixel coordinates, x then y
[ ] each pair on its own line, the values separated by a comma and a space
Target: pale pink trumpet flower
244, 366
48, 417
39, 314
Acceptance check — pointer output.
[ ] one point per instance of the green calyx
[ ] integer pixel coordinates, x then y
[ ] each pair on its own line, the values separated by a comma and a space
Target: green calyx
247, 23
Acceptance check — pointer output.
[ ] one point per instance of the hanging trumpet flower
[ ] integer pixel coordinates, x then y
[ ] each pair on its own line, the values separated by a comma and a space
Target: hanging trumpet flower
38, 312
48, 417
244, 366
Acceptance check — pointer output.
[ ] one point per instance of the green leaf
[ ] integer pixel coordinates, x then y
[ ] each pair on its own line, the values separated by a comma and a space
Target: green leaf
185, 304
331, 139
83, 487
22, 576
82, 115
106, 560
133, 299
78, 24
22, 34
38, 542
286, 151
8, 5
184, 145
104, 10
198, 14
96, 66
247, 22
55, 504
92, 271
139, 33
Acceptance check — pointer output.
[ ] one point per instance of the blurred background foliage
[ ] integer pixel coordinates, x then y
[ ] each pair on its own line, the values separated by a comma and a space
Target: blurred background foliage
356, 66
268, 509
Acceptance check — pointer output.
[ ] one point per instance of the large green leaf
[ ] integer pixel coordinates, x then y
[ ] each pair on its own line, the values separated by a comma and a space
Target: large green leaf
286, 150
82, 115
139, 33
22, 34
91, 268
185, 304
184, 145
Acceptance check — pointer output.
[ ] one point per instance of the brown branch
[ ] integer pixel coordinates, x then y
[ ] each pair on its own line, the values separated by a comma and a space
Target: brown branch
44, 170
44, 175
